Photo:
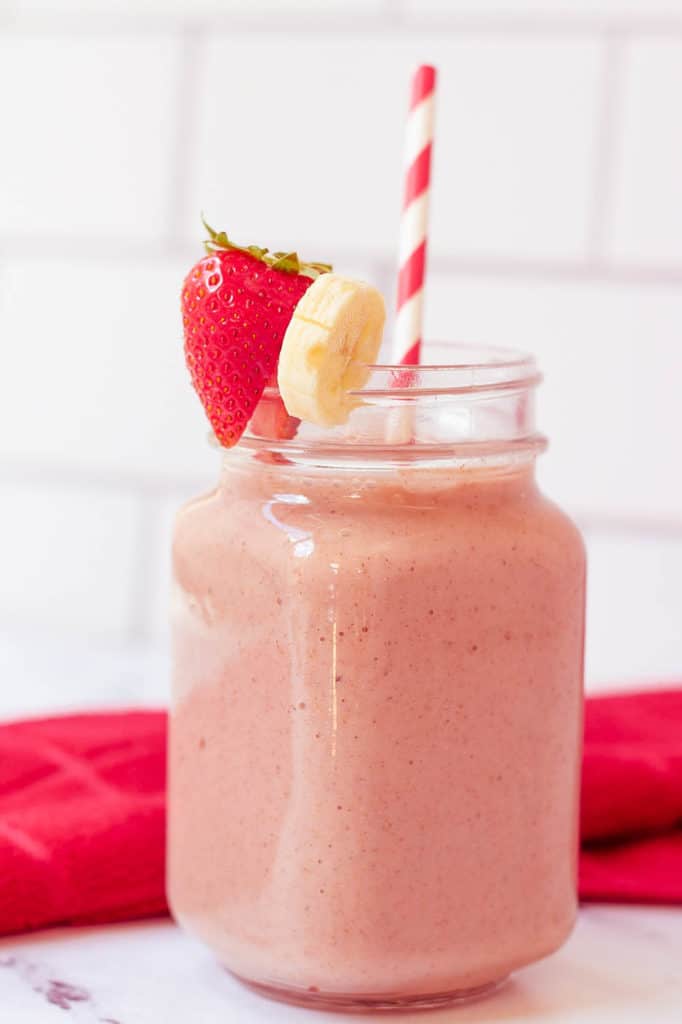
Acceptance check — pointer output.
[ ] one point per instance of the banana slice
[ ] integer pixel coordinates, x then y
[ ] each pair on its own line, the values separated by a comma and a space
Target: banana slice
334, 334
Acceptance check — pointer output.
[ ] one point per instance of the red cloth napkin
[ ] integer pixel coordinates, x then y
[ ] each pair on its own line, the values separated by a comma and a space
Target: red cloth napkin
82, 811
82, 819
631, 811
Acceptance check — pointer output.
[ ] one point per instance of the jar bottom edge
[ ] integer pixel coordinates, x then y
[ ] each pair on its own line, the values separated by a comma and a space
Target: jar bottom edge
367, 1003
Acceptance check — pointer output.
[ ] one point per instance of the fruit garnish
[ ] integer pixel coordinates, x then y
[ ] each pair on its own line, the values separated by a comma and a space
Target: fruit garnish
218, 241
272, 421
236, 305
334, 334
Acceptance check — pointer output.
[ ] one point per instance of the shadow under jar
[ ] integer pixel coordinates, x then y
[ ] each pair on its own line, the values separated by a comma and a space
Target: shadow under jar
376, 721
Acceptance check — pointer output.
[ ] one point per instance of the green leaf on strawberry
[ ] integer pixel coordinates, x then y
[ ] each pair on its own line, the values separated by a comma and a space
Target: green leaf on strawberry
287, 261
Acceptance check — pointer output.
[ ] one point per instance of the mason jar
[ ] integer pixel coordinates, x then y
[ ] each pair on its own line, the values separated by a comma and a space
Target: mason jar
376, 721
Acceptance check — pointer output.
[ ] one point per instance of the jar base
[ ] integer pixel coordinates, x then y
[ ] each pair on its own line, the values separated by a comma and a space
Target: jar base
313, 999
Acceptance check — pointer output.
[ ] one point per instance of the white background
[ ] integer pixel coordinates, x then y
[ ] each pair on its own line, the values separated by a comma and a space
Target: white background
557, 226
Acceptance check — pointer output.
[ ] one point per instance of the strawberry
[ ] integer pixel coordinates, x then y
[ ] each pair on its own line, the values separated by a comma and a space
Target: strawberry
236, 306
271, 419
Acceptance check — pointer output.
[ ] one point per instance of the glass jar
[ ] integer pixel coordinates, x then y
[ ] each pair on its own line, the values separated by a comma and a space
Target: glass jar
376, 722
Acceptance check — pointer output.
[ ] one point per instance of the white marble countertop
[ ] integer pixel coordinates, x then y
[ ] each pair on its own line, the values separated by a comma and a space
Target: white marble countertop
621, 966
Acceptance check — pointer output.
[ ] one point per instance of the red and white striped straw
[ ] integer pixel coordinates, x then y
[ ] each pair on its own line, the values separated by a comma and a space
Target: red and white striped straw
414, 220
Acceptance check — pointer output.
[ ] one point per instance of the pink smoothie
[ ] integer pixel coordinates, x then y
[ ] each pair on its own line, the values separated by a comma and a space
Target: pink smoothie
376, 726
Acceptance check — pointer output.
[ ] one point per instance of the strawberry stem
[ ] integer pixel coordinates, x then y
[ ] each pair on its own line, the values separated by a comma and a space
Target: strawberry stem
286, 261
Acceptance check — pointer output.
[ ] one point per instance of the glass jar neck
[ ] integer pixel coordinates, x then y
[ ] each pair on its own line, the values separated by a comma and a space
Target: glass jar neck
354, 484
475, 412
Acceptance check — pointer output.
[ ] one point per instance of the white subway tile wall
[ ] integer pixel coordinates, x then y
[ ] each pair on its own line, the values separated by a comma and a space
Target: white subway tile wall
556, 226
337, 159
235, 10
69, 558
647, 206
87, 125
97, 344
622, 10
612, 364
633, 607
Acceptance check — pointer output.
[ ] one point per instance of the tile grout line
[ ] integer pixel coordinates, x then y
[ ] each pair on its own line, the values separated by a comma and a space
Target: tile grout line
609, 107
586, 271
396, 12
151, 493
591, 270
141, 583
641, 527
141, 484
185, 114
561, 27
391, 20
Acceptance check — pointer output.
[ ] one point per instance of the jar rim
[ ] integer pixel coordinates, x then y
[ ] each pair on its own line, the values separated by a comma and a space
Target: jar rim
467, 369
477, 404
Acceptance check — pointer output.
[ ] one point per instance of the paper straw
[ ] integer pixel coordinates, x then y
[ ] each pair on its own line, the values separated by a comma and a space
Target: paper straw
414, 220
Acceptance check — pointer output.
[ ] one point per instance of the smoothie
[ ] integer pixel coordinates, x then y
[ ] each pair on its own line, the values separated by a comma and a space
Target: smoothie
376, 726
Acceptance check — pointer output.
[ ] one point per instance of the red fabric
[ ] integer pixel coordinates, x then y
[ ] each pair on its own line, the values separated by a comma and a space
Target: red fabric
82, 815
631, 815
82, 819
